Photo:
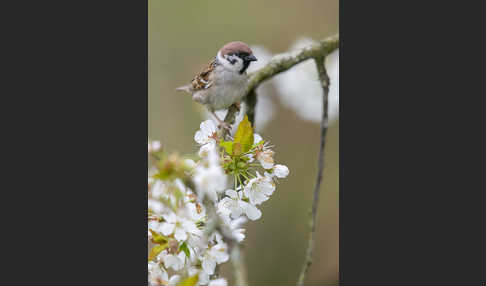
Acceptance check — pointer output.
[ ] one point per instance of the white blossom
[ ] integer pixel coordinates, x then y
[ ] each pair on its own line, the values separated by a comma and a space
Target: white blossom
178, 213
259, 189
173, 261
206, 148
154, 146
179, 226
153, 225
159, 277
234, 205
203, 276
238, 233
257, 138
155, 206
280, 171
218, 282
216, 238
174, 280
263, 153
206, 133
213, 256
265, 157
156, 275
158, 190
211, 179
190, 163
196, 211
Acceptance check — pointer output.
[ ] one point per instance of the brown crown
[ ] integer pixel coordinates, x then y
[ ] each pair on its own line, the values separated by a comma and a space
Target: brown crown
235, 47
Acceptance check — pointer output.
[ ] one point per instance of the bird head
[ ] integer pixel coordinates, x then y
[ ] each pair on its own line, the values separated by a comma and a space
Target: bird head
236, 56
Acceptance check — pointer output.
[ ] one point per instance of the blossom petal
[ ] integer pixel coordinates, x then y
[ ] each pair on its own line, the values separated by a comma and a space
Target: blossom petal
191, 227
239, 234
166, 228
172, 261
208, 127
232, 194
252, 212
174, 280
257, 138
218, 282
266, 163
170, 218
280, 171
199, 137
236, 212
180, 234
208, 265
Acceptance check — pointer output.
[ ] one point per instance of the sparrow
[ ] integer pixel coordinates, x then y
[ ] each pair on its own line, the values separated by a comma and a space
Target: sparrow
223, 81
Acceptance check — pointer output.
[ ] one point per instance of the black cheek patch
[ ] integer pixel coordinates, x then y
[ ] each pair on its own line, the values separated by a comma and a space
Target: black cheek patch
245, 66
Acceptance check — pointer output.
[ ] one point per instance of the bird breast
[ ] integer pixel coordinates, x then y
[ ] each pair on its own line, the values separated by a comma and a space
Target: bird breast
228, 88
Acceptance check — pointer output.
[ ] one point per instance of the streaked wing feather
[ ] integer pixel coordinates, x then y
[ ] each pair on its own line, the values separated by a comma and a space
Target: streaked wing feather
203, 79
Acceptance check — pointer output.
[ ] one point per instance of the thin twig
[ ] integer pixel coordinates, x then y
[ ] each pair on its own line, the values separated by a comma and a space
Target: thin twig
320, 168
230, 118
239, 265
250, 103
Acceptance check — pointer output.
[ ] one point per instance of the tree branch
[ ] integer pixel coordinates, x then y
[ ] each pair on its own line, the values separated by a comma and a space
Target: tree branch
251, 101
239, 265
282, 62
320, 167
230, 118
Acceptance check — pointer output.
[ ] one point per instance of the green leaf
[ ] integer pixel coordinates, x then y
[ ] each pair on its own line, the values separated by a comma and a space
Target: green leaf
184, 248
237, 148
228, 146
158, 238
244, 135
189, 281
156, 250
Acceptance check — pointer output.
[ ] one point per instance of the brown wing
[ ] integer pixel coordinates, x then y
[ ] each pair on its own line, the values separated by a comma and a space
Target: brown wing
203, 80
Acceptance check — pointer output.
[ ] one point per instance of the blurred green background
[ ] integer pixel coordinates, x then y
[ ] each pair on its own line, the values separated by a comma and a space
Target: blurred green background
183, 37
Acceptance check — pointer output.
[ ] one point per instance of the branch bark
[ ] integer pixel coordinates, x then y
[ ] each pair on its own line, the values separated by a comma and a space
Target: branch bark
320, 168
239, 265
250, 102
230, 118
282, 62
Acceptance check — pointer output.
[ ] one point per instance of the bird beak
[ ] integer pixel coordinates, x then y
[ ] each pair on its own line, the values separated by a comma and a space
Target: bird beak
251, 58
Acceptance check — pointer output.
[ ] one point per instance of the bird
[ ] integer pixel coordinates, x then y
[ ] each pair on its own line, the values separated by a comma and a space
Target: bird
223, 81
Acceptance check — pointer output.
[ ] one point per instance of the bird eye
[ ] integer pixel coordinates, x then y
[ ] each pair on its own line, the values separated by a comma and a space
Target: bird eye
232, 58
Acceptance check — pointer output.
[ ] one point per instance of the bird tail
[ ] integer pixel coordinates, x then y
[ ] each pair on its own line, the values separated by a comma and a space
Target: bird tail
186, 88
